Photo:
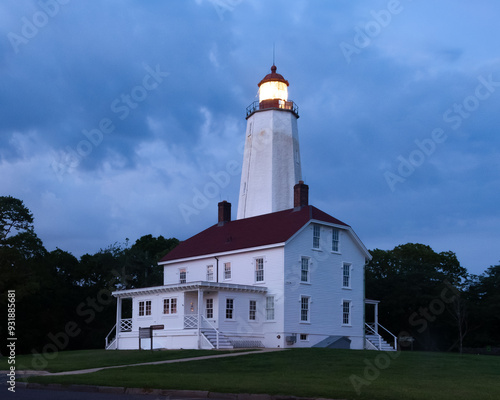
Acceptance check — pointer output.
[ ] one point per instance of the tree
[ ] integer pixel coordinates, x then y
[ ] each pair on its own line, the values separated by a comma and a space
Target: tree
414, 285
14, 217
483, 295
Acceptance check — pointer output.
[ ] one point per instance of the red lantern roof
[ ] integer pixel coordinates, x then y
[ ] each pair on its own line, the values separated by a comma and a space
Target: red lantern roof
273, 76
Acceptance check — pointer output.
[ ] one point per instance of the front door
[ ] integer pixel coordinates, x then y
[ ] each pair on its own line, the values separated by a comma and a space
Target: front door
209, 308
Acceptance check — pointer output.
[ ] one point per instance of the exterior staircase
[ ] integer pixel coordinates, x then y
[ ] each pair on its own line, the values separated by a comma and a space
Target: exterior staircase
211, 335
374, 341
381, 345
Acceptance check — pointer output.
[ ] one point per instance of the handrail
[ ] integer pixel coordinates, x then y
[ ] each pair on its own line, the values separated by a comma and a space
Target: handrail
108, 342
203, 319
282, 105
390, 333
374, 328
376, 334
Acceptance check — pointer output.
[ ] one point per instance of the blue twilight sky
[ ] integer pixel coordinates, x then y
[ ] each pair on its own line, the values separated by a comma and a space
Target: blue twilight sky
122, 118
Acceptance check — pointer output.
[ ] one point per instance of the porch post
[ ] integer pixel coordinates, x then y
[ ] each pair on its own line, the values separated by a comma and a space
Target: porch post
376, 317
200, 303
118, 318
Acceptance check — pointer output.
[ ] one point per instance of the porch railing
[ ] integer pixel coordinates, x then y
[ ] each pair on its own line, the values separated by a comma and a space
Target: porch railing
373, 328
190, 321
126, 325
110, 337
205, 323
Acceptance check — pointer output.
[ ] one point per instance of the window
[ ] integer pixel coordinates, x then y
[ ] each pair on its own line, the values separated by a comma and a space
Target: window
259, 270
182, 275
316, 236
304, 271
304, 308
270, 308
144, 308
346, 312
210, 273
227, 270
252, 310
170, 306
209, 310
303, 337
229, 308
335, 239
346, 275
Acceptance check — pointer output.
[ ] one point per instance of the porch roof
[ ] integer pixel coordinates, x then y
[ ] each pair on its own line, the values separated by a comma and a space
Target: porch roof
185, 287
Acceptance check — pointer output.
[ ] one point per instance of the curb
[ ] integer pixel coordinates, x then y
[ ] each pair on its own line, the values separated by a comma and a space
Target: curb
191, 394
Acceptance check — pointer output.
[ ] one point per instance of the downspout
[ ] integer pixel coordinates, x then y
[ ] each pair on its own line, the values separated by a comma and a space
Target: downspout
364, 306
217, 269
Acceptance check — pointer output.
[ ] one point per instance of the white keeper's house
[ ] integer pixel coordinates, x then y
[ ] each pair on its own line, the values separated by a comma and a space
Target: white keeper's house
283, 274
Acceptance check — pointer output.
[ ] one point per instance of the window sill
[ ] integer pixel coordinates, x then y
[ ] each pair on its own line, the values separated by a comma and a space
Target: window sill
305, 283
335, 252
346, 288
305, 322
313, 249
346, 326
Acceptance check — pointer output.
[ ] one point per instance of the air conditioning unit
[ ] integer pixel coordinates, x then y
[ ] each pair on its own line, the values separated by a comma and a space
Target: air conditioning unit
291, 339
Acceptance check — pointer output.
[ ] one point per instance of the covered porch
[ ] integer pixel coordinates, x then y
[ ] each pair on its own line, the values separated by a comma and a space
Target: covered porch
187, 315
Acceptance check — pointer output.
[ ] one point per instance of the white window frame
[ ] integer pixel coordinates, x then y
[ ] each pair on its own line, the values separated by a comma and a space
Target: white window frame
270, 314
171, 306
306, 309
227, 271
305, 272
182, 271
229, 310
210, 273
252, 310
346, 304
145, 308
346, 278
259, 272
316, 236
335, 240
209, 309
303, 337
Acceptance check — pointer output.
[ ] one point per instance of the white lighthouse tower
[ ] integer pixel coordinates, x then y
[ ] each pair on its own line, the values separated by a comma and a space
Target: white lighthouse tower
271, 160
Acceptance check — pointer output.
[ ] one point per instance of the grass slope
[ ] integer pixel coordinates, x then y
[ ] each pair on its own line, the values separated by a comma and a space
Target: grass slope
84, 359
318, 373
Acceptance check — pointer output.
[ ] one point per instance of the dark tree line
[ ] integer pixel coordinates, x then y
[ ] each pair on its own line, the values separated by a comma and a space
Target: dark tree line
430, 297
63, 302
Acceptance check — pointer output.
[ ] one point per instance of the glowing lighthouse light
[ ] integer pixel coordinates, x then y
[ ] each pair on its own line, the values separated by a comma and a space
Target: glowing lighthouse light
273, 90
273, 87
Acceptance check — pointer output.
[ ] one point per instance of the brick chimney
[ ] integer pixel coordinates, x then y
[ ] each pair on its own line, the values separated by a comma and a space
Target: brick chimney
224, 212
300, 195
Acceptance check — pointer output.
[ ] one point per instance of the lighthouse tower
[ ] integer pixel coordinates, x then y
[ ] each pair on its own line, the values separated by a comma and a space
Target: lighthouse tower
271, 160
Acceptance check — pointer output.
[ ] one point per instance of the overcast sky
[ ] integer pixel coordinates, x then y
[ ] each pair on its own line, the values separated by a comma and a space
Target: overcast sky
124, 118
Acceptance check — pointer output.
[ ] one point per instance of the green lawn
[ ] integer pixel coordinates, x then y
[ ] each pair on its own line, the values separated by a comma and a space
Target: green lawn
75, 360
318, 373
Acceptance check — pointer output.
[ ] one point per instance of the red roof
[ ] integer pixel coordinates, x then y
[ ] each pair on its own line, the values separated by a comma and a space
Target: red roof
246, 233
273, 76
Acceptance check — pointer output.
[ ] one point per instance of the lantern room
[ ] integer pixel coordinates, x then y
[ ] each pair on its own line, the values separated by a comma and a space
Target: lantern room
273, 94
273, 87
